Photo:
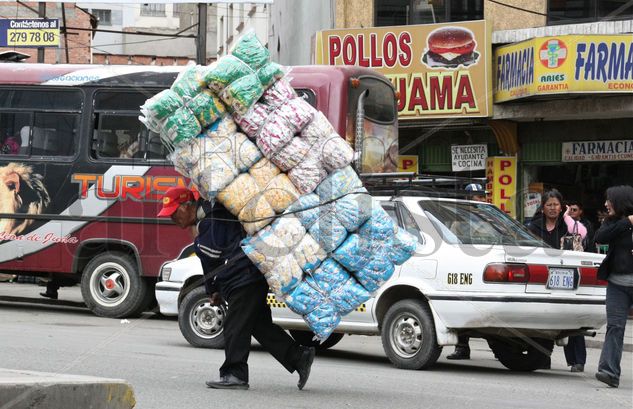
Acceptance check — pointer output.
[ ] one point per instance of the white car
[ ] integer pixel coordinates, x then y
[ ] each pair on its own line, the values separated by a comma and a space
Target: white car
476, 272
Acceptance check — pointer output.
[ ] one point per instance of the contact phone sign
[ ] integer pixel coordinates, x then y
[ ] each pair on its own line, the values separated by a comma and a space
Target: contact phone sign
29, 32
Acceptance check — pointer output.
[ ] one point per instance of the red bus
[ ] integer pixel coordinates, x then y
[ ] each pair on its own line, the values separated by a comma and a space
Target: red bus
81, 179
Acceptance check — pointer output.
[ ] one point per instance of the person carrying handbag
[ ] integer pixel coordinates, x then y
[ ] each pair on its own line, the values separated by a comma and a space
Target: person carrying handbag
617, 269
554, 227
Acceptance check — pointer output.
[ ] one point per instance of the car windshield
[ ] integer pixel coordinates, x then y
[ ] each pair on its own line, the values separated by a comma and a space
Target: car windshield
476, 223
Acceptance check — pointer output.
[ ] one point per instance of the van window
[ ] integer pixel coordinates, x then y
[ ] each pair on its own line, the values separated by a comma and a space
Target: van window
117, 131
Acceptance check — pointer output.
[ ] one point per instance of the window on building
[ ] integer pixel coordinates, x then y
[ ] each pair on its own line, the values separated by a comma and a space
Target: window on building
153, 10
405, 12
104, 16
176, 9
578, 11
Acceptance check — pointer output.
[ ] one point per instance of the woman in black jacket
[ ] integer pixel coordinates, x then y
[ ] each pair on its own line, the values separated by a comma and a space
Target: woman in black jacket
617, 268
551, 224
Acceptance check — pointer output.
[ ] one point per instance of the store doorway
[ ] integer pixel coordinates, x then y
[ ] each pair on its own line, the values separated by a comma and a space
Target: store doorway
586, 182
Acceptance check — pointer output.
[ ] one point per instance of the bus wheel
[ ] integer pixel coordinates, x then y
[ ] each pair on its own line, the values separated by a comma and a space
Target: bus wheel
111, 286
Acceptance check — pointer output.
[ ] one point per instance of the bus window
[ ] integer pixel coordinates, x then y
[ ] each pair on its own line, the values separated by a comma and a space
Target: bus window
117, 130
14, 133
379, 102
53, 134
39, 122
379, 147
308, 95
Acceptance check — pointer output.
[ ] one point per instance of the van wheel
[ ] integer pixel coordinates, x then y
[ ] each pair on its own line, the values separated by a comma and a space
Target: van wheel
408, 335
201, 323
111, 286
305, 338
522, 355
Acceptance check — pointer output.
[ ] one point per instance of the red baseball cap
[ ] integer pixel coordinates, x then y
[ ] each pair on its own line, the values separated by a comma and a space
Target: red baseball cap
174, 197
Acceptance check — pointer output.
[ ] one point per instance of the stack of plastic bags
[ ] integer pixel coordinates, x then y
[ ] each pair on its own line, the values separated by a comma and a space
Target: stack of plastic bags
323, 244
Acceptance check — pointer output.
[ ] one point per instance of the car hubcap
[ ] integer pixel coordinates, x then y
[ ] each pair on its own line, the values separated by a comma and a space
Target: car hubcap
207, 320
110, 284
406, 336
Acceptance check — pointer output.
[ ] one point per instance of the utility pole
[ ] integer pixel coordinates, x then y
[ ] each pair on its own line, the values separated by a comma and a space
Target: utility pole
41, 6
201, 40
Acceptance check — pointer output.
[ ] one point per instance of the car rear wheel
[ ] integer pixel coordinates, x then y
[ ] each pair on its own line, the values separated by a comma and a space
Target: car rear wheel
408, 335
201, 323
522, 355
112, 287
305, 338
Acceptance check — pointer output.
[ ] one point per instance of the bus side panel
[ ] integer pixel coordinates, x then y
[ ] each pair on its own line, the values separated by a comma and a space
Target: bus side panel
127, 195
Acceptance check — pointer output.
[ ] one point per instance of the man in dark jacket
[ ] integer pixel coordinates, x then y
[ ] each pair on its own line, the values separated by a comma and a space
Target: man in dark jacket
230, 275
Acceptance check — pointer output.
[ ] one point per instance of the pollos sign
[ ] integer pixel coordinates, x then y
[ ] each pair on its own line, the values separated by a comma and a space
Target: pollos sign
439, 70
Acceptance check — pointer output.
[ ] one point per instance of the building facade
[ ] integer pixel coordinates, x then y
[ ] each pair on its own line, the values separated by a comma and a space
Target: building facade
232, 20
75, 45
563, 132
118, 41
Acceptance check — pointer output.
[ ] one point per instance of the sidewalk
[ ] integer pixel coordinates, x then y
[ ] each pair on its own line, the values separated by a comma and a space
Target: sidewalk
598, 340
40, 390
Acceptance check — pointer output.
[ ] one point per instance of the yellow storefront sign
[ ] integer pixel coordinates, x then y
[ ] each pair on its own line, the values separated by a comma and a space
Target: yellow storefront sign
564, 64
501, 186
439, 70
408, 163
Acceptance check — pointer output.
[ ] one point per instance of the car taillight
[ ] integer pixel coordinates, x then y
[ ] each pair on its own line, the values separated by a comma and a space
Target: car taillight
589, 276
538, 273
506, 273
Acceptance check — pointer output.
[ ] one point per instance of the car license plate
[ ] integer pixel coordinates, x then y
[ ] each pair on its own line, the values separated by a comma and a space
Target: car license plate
561, 278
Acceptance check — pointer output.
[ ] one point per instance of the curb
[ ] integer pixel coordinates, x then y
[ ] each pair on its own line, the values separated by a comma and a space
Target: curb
39, 390
593, 343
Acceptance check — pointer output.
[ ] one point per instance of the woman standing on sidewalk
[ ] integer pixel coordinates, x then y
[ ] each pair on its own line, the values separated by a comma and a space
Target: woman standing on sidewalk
617, 268
551, 224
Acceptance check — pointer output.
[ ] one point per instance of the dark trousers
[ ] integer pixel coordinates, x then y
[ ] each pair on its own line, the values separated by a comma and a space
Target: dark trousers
249, 314
575, 350
619, 300
462, 342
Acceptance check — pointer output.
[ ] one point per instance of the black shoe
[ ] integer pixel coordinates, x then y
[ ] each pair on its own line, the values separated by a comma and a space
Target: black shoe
578, 368
304, 365
460, 353
228, 382
52, 296
608, 379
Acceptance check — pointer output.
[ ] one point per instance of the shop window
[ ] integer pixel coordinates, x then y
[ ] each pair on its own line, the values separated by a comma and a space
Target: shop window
579, 11
405, 12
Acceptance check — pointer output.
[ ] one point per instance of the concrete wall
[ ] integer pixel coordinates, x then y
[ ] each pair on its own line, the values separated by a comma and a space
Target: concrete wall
354, 13
292, 29
234, 20
507, 18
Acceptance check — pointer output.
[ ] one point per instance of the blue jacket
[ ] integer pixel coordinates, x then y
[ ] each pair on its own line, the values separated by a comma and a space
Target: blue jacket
224, 264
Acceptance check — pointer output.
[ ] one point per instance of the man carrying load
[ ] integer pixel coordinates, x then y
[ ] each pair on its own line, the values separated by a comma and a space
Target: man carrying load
230, 275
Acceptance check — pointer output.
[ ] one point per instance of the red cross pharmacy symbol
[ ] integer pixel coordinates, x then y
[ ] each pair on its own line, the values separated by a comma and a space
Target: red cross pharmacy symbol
553, 53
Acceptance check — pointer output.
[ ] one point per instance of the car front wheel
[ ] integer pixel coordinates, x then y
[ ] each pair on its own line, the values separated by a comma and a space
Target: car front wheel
408, 335
201, 323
